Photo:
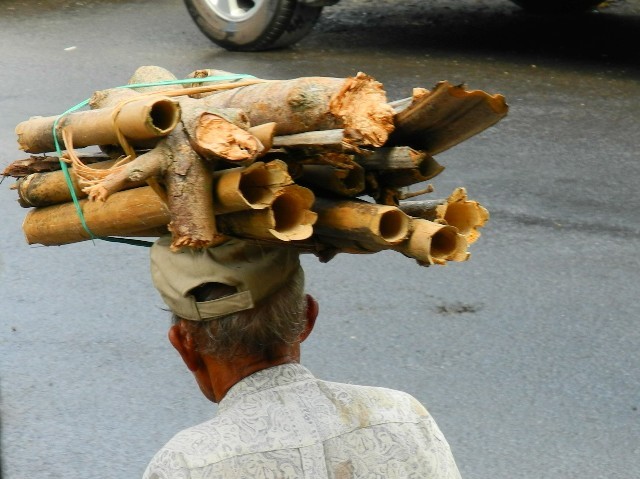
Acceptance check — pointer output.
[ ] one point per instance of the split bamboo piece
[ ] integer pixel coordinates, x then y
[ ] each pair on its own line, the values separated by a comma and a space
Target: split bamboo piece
445, 116
143, 119
457, 210
365, 223
255, 187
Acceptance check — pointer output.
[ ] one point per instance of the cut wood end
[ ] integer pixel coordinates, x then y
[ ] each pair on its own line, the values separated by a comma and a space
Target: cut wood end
216, 137
362, 106
179, 242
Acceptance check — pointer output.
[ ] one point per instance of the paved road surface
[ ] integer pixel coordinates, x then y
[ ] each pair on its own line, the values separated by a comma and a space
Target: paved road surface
527, 355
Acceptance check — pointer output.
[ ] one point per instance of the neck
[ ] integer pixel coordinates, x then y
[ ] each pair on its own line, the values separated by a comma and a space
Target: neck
224, 374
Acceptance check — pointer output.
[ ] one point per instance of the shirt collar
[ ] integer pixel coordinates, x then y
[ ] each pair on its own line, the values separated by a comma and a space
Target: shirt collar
265, 379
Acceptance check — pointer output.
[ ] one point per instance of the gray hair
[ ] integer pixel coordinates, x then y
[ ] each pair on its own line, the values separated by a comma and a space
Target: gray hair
278, 320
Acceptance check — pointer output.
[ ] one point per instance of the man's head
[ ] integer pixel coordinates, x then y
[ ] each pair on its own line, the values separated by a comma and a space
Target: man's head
237, 304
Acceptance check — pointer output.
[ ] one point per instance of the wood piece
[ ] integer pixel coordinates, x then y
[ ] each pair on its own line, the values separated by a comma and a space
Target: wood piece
360, 221
400, 157
446, 116
357, 104
140, 120
45, 163
189, 184
337, 181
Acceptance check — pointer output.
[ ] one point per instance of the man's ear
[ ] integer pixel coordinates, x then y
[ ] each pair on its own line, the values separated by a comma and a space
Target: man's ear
311, 315
184, 343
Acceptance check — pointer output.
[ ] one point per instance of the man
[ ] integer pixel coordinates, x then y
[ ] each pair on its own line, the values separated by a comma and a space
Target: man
240, 315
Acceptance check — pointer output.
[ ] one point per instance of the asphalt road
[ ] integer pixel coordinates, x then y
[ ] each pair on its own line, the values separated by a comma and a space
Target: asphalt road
527, 355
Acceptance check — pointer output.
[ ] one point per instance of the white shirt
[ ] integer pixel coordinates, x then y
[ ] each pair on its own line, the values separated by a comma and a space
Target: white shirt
282, 422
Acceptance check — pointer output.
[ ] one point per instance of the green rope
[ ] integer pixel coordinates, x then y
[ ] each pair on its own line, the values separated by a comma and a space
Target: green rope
65, 169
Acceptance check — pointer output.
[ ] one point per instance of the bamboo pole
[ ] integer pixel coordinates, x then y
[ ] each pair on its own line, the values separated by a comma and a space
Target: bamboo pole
360, 221
339, 181
124, 212
142, 119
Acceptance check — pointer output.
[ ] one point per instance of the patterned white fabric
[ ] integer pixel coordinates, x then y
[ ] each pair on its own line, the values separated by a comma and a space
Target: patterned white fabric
283, 423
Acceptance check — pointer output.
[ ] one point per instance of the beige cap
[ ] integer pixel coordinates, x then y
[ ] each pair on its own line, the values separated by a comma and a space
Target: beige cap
255, 271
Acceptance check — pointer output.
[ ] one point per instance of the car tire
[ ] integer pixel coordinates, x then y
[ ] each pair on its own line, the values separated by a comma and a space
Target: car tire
246, 25
557, 6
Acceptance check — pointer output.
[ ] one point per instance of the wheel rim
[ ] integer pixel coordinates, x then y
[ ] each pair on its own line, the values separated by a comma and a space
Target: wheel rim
235, 10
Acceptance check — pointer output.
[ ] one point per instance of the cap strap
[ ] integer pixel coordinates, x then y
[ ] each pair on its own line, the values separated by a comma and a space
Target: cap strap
224, 306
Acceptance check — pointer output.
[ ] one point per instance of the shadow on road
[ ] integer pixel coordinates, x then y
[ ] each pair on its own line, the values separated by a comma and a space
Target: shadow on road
608, 36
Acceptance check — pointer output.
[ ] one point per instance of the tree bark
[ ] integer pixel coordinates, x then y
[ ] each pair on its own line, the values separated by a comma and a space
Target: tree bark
356, 104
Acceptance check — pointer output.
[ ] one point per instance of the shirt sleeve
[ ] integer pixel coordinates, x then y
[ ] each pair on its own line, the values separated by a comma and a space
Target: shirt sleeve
167, 464
443, 463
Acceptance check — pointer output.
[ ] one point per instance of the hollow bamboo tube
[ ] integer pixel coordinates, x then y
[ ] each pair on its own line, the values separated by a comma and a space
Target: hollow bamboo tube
341, 181
457, 210
433, 243
123, 212
289, 218
138, 120
360, 221
254, 187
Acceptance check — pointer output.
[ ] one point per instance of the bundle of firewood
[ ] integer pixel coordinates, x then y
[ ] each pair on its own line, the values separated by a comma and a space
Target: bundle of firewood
316, 163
